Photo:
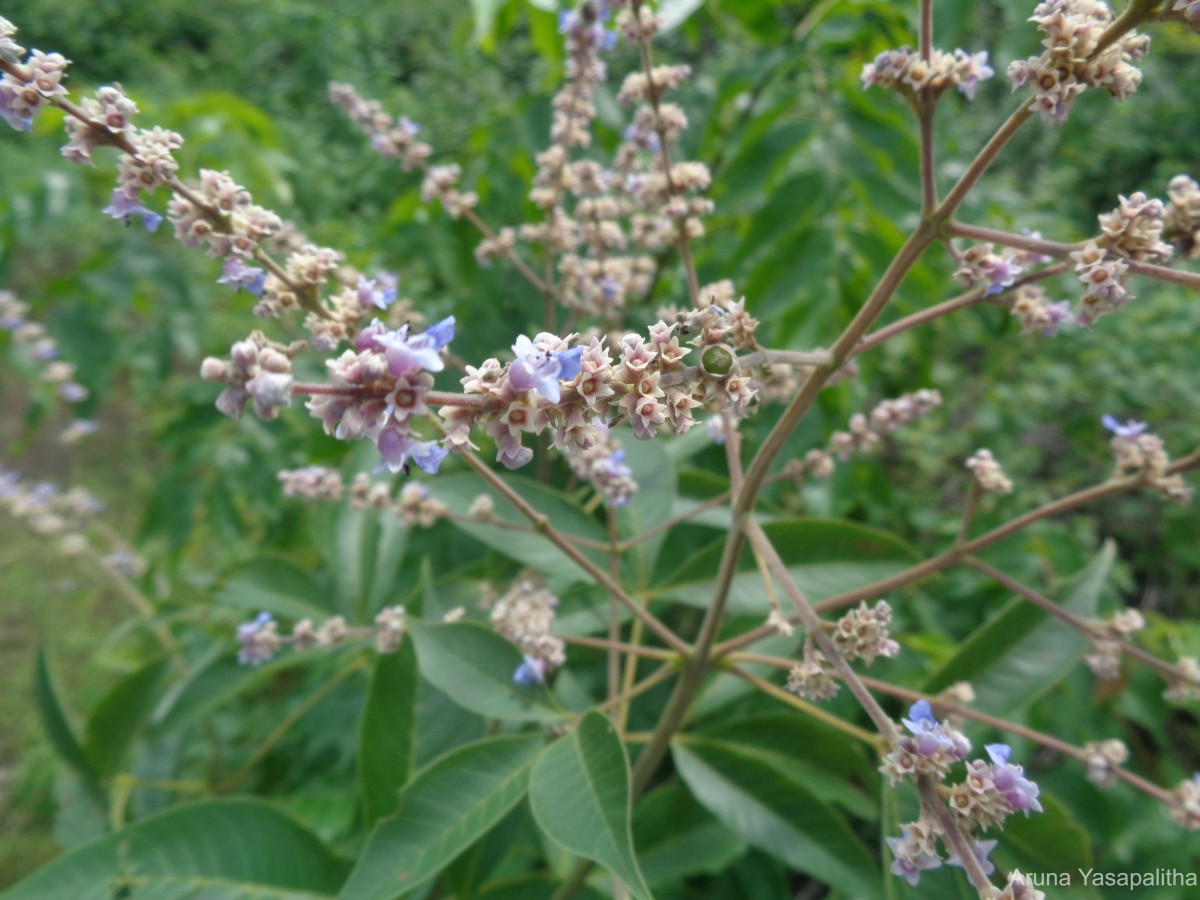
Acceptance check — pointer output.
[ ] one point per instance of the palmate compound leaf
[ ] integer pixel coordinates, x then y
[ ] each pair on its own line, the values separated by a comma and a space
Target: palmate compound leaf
231, 848
776, 813
579, 793
445, 809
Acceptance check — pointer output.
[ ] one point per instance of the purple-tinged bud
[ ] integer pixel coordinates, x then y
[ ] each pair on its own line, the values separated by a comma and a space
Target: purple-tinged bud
1129, 429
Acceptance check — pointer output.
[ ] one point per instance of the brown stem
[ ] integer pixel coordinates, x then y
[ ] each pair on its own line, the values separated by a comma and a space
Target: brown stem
815, 629
809, 709
541, 524
945, 308
953, 836
1087, 629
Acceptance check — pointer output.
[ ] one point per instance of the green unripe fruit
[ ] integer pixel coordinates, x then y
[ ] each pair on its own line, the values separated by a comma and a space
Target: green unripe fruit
717, 360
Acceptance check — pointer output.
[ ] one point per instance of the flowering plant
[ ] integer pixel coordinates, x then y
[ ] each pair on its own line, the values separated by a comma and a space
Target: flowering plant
620, 685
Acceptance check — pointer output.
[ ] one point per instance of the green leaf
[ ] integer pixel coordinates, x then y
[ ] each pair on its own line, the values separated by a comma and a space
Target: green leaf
215, 684
475, 667
531, 550
485, 20
579, 793
1049, 841
675, 837
674, 13
367, 547
115, 721
824, 761
775, 812
824, 557
58, 729
239, 847
442, 725
1021, 652
387, 738
442, 812
278, 587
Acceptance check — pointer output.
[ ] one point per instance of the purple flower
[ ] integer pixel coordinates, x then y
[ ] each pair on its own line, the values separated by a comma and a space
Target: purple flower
1130, 429
910, 861
379, 292
930, 738
541, 369
259, 640
1002, 275
530, 671
18, 119
974, 69
396, 447
408, 352
1059, 313
242, 276
123, 206
73, 392
1010, 780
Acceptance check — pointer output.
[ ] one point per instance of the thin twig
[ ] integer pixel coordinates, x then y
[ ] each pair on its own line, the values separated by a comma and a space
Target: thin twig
541, 524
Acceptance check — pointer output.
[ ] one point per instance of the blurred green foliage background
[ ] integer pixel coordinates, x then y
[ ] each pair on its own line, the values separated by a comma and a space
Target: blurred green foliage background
815, 185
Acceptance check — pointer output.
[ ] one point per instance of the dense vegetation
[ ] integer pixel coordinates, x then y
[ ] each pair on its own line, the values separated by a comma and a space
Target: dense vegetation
815, 184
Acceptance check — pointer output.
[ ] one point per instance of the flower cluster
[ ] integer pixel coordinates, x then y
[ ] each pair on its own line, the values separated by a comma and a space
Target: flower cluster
378, 388
1104, 288
258, 370
1106, 638
586, 36
813, 677
216, 213
28, 86
42, 350
47, 510
865, 431
980, 264
907, 72
603, 466
525, 615
414, 506
66, 516
862, 633
1185, 684
1035, 312
1134, 229
1070, 63
259, 639
988, 474
993, 790
390, 138
1103, 760
1181, 218
990, 792
649, 388
1185, 803
1189, 8
1136, 450
931, 750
